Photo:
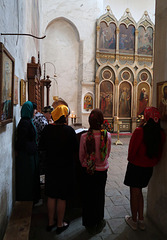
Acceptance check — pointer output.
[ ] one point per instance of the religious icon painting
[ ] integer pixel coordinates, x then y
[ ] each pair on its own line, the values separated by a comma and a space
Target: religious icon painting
16, 80
125, 75
22, 92
125, 99
127, 39
143, 96
107, 74
162, 99
145, 41
88, 102
106, 98
107, 42
6, 85
143, 76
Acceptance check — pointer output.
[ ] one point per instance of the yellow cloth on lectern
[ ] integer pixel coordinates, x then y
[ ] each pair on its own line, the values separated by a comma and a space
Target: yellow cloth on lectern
59, 111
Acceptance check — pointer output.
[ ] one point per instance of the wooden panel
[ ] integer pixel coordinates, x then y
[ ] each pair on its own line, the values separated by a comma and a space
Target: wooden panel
33, 75
19, 223
125, 125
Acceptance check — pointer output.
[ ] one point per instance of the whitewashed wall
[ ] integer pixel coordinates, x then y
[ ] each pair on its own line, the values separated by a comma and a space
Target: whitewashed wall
72, 51
157, 190
70, 28
15, 17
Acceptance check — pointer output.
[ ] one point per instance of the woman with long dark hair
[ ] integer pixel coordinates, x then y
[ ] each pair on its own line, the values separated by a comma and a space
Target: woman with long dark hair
145, 150
95, 146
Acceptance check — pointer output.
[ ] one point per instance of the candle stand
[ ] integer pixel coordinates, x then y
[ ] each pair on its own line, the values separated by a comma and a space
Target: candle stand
118, 142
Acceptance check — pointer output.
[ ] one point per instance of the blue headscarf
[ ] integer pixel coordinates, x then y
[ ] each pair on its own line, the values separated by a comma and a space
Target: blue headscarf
27, 111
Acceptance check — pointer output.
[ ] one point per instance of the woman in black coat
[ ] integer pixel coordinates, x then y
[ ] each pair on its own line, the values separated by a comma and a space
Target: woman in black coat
59, 142
27, 166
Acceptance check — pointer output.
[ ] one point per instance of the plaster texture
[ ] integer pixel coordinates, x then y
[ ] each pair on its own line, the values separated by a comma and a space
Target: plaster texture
15, 17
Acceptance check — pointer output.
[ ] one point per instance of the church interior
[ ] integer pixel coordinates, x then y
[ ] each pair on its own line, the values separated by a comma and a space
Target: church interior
103, 54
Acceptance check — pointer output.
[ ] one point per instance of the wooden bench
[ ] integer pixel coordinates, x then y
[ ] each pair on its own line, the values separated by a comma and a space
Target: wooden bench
19, 223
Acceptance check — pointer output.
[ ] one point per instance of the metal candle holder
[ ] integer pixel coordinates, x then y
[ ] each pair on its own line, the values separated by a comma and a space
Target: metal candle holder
118, 142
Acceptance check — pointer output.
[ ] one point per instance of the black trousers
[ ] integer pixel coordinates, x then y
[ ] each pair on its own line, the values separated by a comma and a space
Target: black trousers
93, 197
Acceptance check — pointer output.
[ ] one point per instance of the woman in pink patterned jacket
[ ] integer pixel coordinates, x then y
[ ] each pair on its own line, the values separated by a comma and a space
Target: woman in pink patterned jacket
95, 146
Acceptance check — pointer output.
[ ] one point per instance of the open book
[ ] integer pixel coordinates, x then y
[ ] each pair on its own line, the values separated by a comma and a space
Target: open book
80, 130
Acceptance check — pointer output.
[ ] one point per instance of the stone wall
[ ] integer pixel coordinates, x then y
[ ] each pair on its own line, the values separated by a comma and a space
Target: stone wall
15, 17
157, 191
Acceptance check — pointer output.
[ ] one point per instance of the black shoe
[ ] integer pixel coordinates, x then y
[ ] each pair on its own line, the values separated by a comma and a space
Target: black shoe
100, 226
62, 229
91, 230
51, 228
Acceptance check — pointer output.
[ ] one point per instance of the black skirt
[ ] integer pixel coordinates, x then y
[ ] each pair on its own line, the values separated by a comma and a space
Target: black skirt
93, 198
59, 183
137, 176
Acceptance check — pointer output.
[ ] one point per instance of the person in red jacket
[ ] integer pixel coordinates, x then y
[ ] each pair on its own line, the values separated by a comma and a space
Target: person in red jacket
145, 150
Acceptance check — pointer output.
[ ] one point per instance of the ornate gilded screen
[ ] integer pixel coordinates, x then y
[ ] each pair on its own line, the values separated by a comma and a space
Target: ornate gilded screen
124, 67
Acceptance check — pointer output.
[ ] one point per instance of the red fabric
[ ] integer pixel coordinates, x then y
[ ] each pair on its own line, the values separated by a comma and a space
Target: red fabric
137, 150
152, 112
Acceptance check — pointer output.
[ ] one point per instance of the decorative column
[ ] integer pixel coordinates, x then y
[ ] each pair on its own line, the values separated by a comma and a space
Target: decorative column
98, 32
42, 84
116, 97
134, 106
45, 83
116, 104
136, 44
153, 45
117, 44
97, 92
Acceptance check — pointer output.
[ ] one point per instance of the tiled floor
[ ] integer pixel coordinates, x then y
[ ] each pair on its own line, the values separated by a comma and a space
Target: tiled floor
116, 207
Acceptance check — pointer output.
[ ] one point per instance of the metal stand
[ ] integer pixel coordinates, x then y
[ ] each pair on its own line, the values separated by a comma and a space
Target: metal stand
118, 142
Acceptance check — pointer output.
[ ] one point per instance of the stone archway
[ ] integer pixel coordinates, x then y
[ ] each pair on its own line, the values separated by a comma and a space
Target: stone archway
62, 48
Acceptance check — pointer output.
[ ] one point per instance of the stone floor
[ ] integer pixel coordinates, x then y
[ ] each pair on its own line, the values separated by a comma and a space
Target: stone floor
116, 207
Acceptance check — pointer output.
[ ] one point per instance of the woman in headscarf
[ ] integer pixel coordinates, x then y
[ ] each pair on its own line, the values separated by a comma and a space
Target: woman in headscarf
145, 150
27, 166
59, 142
95, 146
